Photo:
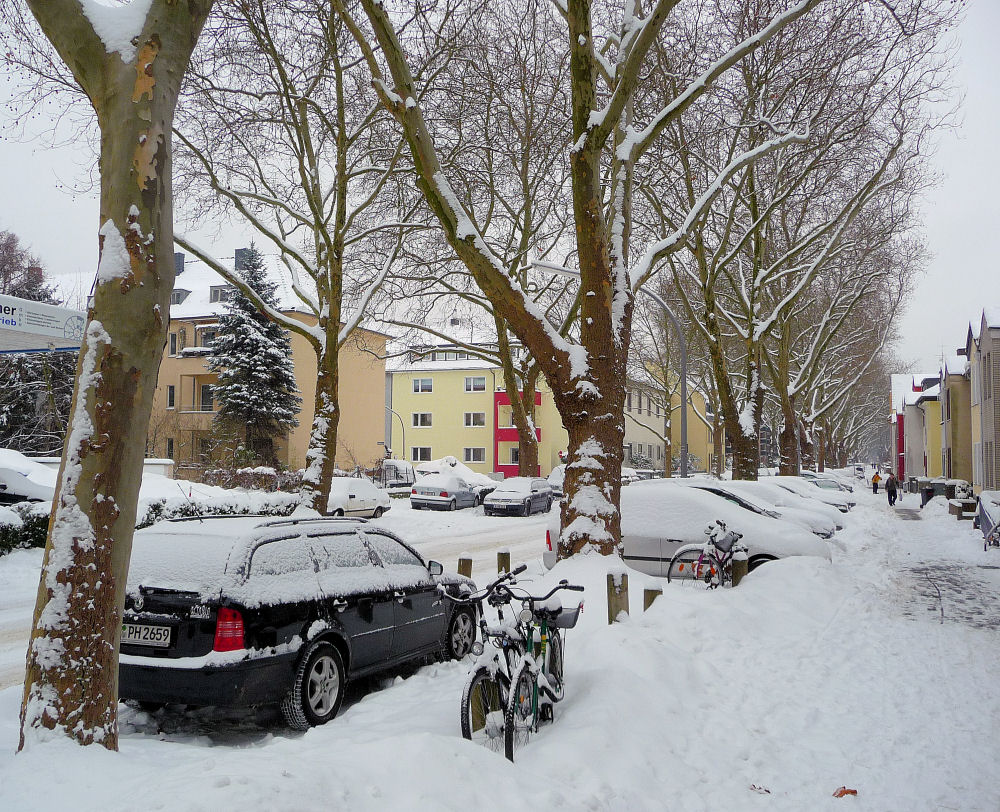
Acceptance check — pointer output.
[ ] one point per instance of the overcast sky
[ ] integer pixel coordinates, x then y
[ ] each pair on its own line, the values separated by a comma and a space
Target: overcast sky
962, 214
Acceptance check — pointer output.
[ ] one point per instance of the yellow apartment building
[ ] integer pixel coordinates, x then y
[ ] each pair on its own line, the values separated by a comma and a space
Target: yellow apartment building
645, 423
444, 403
930, 404
181, 426
956, 419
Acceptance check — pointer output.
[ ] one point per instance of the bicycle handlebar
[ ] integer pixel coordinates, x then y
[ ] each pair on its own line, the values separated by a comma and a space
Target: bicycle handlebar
490, 588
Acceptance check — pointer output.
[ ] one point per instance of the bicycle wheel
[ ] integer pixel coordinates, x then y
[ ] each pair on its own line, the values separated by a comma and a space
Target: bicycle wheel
554, 663
692, 568
484, 703
519, 720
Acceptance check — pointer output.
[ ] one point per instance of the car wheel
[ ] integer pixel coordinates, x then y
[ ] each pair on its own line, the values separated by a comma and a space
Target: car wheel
318, 689
453, 505
548, 506
378, 513
526, 510
338, 512
461, 634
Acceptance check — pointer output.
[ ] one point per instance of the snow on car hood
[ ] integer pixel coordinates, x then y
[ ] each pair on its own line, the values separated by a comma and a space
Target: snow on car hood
663, 509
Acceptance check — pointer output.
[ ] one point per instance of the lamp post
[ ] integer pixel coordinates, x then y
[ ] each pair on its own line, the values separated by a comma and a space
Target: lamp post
402, 430
563, 271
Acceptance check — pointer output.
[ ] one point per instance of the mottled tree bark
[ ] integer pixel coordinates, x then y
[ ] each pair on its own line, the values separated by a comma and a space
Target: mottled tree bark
71, 678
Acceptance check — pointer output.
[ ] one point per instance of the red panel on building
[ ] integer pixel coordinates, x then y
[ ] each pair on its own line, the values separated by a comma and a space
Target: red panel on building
900, 448
508, 434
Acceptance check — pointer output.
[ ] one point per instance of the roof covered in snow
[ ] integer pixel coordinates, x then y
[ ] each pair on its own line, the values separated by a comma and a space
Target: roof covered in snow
197, 279
955, 365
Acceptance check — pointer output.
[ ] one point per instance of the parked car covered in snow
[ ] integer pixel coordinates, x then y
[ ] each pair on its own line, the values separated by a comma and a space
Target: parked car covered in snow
246, 611
519, 496
827, 481
556, 479
831, 496
785, 498
814, 522
24, 480
659, 516
443, 492
629, 475
355, 496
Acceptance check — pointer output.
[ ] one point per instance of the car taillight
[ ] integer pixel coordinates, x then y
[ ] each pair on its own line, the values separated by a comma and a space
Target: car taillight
548, 540
414, 490
444, 494
228, 630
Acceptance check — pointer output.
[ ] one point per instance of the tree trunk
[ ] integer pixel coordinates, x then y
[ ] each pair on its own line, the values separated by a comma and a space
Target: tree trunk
790, 462
807, 446
71, 676
321, 456
820, 449
718, 444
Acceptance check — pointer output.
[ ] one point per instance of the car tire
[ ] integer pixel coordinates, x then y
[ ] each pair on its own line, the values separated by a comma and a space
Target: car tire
526, 510
461, 634
338, 512
548, 506
453, 505
378, 512
318, 688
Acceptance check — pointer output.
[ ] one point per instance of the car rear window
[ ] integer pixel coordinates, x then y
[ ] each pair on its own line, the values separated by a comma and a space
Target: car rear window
315, 554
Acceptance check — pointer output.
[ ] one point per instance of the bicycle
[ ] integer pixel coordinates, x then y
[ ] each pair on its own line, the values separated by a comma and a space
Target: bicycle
485, 697
709, 564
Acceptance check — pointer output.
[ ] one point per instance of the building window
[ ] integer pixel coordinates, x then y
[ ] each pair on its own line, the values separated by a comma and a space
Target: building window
628, 401
170, 448
475, 455
421, 420
207, 338
423, 385
475, 419
173, 343
515, 455
206, 397
178, 295
171, 395
221, 293
475, 384
420, 453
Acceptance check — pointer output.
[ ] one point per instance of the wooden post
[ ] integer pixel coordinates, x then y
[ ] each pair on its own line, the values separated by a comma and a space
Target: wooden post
648, 596
740, 564
617, 595
503, 561
465, 566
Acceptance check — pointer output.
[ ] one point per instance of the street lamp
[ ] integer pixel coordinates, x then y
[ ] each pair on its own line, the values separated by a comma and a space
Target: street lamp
402, 430
564, 271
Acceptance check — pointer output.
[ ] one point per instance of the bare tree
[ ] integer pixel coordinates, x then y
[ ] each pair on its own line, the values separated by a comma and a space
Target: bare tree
129, 60
606, 62
280, 129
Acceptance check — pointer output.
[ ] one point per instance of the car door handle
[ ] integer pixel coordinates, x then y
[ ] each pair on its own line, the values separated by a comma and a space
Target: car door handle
339, 605
399, 596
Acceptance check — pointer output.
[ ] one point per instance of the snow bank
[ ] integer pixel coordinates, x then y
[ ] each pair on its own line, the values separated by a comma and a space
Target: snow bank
807, 677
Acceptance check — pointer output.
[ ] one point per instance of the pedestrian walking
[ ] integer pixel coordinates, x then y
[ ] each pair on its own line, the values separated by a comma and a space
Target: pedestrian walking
875, 480
890, 488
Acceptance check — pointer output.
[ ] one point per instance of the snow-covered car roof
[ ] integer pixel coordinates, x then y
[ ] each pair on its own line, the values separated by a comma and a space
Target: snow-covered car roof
807, 489
211, 557
517, 484
441, 481
25, 477
452, 465
343, 484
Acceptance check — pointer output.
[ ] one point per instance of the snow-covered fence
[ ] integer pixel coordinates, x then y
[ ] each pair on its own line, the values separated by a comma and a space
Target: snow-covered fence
465, 565
650, 595
503, 561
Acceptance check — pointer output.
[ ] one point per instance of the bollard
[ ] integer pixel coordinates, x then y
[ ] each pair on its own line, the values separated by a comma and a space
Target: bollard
503, 561
465, 566
617, 595
648, 596
740, 564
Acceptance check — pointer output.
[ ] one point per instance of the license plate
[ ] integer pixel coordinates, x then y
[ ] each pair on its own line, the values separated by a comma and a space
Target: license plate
136, 635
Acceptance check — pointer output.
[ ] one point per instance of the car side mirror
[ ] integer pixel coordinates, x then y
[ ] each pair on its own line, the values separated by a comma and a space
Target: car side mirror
434, 568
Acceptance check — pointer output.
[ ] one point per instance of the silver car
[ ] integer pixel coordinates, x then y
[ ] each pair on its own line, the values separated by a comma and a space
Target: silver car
519, 496
443, 492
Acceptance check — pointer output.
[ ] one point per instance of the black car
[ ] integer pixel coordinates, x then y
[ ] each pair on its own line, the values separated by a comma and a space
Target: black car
245, 611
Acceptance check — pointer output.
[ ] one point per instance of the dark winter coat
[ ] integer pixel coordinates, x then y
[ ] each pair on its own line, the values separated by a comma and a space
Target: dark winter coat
890, 483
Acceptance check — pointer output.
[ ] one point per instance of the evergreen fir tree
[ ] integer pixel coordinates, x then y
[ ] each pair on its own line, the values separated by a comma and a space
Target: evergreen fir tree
252, 358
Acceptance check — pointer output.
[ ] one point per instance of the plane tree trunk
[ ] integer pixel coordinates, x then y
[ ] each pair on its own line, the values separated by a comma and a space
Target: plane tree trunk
71, 677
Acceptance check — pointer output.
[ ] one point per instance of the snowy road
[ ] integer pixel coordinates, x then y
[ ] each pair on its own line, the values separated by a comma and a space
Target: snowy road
873, 672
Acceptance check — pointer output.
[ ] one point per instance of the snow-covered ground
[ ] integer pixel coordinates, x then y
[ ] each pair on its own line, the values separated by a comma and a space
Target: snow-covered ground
875, 672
